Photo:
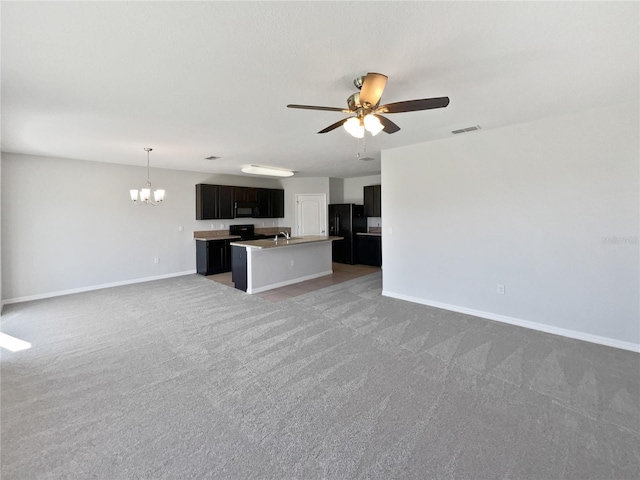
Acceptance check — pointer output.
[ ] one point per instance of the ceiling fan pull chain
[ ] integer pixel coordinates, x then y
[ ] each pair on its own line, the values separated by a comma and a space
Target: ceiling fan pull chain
364, 146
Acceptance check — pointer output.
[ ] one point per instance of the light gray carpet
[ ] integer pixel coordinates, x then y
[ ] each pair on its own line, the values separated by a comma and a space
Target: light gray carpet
186, 378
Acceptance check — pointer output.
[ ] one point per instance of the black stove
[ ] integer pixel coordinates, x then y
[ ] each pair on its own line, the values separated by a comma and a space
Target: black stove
247, 232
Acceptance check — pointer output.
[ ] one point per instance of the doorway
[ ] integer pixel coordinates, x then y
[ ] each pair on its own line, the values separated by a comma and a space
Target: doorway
311, 214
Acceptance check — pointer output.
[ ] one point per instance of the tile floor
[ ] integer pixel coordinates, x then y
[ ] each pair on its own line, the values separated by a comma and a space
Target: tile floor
341, 273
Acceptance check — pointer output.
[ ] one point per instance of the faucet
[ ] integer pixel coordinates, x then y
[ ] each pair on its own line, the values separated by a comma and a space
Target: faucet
286, 235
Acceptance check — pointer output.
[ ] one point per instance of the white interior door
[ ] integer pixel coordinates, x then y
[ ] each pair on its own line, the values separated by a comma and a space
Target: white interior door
311, 214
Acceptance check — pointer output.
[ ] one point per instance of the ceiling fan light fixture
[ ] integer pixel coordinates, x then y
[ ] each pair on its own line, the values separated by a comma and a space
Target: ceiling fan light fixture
354, 127
268, 171
372, 124
366, 103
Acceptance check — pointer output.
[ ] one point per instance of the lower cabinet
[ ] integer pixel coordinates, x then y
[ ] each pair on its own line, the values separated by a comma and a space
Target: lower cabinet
370, 250
213, 256
239, 264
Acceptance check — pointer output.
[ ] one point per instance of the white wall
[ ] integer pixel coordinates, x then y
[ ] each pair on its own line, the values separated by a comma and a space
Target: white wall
336, 190
69, 224
550, 209
1, 297
353, 188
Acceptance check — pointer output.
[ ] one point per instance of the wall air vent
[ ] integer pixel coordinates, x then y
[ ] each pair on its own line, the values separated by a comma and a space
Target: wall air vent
366, 159
464, 130
212, 157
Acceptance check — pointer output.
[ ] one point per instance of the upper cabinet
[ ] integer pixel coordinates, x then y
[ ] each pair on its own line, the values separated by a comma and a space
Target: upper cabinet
246, 194
214, 201
276, 203
373, 201
218, 201
270, 203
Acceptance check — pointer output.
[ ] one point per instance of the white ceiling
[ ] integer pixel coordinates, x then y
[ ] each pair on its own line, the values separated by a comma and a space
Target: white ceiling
102, 80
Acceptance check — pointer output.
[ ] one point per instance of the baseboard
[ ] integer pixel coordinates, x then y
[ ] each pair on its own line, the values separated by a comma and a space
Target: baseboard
564, 332
290, 282
94, 287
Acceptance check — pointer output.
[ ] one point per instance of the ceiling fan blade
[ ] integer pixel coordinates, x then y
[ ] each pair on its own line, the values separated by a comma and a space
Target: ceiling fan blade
312, 107
372, 88
334, 125
389, 126
414, 105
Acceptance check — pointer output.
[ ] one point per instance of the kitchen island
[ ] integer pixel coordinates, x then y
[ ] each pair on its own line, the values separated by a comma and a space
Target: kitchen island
259, 265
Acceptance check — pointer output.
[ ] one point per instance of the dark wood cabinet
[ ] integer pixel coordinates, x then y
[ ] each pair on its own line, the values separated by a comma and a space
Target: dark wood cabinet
218, 201
270, 203
225, 202
373, 201
213, 256
263, 202
246, 194
276, 203
214, 202
370, 250
239, 267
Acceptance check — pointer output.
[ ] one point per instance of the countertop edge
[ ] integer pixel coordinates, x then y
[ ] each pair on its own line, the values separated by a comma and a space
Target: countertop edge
212, 239
282, 242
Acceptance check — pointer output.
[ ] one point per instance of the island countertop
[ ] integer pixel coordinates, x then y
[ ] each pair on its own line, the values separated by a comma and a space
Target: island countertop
283, 242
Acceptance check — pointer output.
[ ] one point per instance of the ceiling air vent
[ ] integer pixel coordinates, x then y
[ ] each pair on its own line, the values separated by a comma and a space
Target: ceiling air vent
212, 157
468, 129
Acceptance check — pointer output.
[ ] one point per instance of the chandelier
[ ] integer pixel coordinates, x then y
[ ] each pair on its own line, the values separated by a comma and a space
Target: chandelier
145, 193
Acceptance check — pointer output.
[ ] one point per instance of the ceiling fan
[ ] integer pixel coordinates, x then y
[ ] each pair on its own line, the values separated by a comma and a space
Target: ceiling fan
365, 106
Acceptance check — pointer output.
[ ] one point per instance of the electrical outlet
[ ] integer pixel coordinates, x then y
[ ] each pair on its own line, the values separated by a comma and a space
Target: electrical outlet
390, 230
292, 262
500, 289
180, 228
221, 226
213, 227
156, 259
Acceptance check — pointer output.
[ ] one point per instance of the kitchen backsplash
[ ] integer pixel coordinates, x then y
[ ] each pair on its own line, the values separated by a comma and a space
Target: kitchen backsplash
374, 224
225, 233
272, 230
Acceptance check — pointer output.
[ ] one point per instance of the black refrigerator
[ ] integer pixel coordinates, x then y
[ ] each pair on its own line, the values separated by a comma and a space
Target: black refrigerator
345, 220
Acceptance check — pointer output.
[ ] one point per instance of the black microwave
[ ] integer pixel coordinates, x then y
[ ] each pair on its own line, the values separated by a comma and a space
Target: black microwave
246, 209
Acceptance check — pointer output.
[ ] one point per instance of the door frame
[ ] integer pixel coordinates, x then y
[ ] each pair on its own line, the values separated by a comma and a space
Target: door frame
326, 212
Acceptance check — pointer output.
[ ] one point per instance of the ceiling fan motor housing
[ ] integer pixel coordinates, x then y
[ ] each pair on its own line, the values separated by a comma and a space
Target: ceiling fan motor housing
354, 101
